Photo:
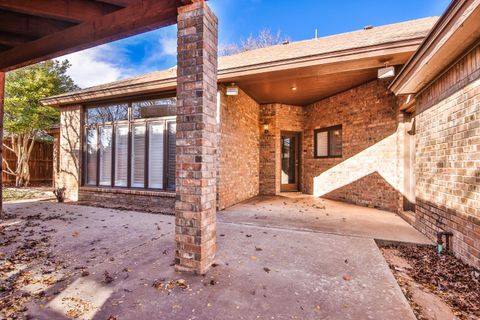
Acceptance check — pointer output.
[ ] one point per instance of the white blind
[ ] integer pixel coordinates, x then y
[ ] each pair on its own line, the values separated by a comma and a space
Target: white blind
91, 156
155, 161
322, 144
105, 155
121, 155
172, 148
138, 156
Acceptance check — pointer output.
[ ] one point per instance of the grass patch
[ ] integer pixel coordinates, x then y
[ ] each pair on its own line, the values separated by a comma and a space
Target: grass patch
12, 194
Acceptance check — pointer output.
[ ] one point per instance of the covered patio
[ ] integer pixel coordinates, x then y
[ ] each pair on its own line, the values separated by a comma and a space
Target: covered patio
34, 31
302, 212
72, 261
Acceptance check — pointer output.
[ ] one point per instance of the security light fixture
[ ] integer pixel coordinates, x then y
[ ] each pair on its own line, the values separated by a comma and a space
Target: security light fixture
386, 72
232, 90
294, 88
266, 127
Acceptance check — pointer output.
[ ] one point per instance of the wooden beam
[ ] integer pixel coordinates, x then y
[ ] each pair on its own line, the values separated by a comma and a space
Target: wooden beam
2, 104
123, 3
67, 10
4, 48
28, 25
141, 17
13, 40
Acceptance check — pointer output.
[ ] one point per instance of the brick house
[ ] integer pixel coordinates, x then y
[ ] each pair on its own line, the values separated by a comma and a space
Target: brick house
314, 116
443, 81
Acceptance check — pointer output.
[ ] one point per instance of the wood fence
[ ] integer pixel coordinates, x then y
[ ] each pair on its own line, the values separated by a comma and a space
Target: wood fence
41, 164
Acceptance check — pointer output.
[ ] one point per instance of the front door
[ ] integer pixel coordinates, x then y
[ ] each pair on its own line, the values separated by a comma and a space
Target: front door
290, 146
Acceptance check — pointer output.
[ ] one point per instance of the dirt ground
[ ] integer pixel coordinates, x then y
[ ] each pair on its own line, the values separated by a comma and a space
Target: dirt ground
438, 287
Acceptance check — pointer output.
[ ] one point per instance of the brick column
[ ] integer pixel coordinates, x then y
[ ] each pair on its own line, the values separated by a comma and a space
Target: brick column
195, 207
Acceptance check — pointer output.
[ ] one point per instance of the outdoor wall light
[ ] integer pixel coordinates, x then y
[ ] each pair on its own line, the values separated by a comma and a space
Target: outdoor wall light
294, 88
386, 72
232, 90
266, 127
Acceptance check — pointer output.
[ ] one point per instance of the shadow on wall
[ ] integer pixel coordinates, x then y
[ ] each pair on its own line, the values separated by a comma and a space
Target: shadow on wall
432, 217
371, 191
377, 159
70, 150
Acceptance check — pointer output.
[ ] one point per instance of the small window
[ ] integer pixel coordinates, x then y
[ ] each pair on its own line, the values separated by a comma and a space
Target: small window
154, 108
107, 113
328, 142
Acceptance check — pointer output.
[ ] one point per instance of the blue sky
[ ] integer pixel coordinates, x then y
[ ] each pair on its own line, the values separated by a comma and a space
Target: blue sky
297, 19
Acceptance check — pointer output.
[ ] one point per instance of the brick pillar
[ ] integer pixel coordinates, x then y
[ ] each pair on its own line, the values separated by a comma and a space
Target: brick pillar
195, 207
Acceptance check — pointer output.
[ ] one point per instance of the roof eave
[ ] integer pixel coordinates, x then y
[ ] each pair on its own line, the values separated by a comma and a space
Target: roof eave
456, 30
336, 57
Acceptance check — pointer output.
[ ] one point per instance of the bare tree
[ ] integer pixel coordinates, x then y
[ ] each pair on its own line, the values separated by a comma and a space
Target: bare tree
264, 38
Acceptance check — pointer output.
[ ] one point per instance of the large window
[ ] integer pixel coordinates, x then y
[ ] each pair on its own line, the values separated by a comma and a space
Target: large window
131, 144
328, 142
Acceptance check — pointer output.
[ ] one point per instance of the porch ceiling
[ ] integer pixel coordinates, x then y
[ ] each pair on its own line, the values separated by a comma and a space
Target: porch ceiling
320, 78
32, 31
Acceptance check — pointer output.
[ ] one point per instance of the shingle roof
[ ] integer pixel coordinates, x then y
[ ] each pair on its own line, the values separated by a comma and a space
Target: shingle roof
356, 39
385, 34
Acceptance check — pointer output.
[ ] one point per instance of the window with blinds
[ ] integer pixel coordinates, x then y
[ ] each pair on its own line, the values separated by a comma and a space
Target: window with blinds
171, 153
328, 142
155, 155
121, 155
138, 155
91, 156
105, 155
131, 144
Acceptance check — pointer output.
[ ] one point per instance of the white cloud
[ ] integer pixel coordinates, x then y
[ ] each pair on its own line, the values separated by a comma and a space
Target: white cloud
162, 49
129, 57
169, 45
95, 66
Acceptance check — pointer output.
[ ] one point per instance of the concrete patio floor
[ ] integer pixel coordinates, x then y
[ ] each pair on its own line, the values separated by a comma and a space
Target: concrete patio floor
296, 211
262, 272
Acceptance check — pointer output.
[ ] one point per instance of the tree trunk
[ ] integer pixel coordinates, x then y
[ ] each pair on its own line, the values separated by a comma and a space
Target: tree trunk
22, 146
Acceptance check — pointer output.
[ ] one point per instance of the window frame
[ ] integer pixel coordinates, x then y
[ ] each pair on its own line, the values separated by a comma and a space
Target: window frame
330, 131
130, 122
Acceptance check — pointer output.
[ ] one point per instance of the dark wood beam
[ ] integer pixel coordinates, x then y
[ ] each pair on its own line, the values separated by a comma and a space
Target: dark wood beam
141, 17
4, 48
13, 40
66, 10
30, 25
123, 3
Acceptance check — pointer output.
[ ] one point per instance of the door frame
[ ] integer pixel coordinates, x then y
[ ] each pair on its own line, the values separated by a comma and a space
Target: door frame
294, 187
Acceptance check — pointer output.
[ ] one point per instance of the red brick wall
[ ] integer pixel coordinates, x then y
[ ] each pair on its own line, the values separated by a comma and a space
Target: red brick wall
448, 157
278, 117
128, 199
239, 149
368, 172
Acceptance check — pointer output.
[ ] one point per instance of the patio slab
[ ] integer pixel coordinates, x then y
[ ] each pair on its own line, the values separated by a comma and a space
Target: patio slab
261, 272
297, 211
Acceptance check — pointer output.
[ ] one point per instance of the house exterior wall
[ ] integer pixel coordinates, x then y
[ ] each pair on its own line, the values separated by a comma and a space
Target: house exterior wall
129, 199
238, 177
448, 157
278, 117
368, 173
68, 175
